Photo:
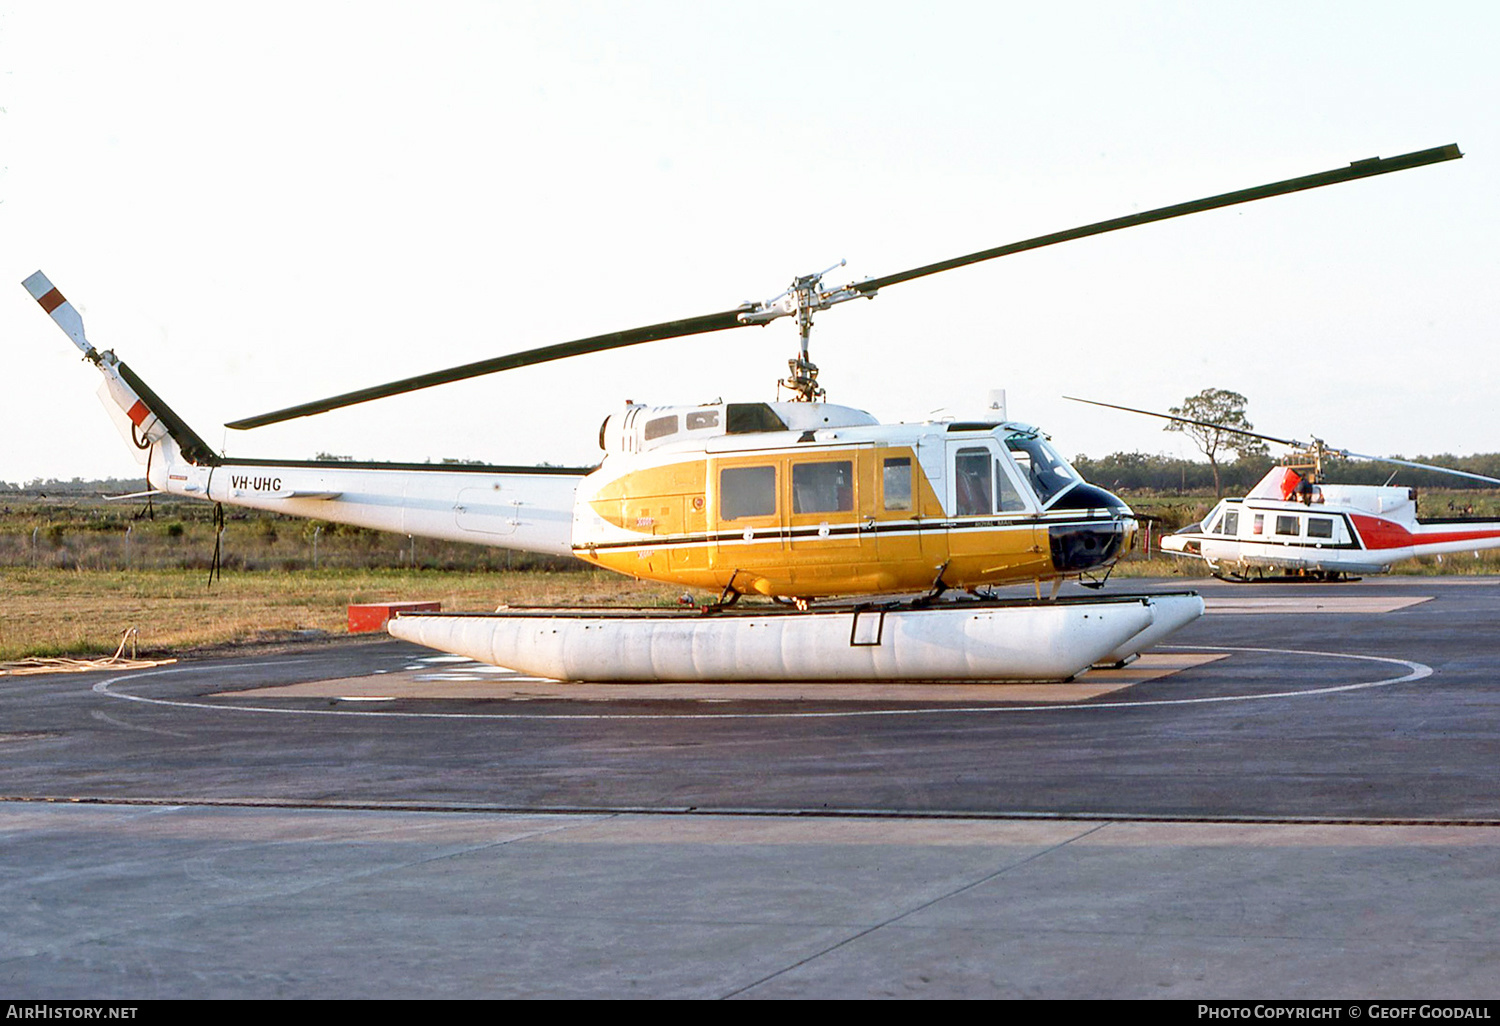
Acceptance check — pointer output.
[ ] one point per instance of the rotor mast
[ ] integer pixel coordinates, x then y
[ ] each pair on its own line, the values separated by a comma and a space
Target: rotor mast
1310, 456
802, 297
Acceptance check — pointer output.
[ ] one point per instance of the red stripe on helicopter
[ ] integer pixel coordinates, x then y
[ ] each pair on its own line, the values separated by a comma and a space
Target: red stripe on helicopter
138, 413
1383, 534
52, 300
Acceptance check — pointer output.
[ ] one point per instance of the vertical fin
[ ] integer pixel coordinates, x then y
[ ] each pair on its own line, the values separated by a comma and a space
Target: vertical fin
149, 418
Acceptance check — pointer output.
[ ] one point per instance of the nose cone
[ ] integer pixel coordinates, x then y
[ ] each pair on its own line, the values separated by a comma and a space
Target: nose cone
1086, 496
1185, 540
1098, 543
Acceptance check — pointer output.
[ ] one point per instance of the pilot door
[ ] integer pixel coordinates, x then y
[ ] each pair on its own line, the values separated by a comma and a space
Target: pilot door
991, 530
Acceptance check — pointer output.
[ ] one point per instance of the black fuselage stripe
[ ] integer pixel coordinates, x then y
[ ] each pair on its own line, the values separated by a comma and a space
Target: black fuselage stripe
845, 530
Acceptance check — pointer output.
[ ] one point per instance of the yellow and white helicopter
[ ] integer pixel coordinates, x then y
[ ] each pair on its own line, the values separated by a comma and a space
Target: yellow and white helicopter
798, 501
1295, 525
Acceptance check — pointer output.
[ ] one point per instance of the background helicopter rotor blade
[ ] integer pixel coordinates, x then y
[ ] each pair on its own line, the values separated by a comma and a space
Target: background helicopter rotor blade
1346, 454
1293, 443
511, 361
1356, 169
761, 313
1200, 423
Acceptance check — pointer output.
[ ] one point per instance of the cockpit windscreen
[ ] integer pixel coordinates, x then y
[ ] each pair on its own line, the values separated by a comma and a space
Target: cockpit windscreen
1046, 471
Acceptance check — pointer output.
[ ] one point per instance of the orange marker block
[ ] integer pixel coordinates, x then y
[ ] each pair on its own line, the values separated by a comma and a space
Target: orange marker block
372, 616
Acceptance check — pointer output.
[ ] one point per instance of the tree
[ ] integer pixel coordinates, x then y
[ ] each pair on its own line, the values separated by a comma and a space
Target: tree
1222, 407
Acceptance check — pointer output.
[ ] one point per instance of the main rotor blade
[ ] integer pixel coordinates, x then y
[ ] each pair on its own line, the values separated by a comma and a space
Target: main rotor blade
596, 344
1357, 169
733, 318
1199, 423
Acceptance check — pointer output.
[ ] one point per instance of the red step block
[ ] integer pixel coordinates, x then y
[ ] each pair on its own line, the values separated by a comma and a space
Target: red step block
372, 616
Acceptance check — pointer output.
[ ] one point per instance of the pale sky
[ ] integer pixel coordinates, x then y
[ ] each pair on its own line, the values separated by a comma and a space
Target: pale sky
264, 204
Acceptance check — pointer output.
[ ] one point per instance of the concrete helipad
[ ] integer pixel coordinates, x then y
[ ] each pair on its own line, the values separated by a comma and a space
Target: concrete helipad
452, 677
1296, 801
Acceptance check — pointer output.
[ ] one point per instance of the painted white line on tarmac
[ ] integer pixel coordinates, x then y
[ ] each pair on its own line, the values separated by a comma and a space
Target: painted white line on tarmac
1414, 672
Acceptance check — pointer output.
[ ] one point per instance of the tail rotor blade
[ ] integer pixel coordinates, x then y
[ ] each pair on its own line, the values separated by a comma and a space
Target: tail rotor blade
60, 310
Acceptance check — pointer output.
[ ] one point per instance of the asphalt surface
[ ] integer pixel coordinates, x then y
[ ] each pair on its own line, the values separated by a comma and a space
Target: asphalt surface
1313, 814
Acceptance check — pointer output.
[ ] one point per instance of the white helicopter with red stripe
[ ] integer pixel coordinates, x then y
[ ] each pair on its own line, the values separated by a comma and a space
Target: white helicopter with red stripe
1294, 524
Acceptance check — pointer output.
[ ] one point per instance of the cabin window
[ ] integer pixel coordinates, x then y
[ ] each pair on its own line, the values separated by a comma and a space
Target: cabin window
972, 484
1319, 527
747, 492
1288, 526
823, 487
1259, 526
660, 427
895, 483
700, 419
1009, 498
1231, 523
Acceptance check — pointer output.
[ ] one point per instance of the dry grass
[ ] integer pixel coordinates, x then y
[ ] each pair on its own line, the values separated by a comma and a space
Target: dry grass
84, 613
1159, 565
77, 574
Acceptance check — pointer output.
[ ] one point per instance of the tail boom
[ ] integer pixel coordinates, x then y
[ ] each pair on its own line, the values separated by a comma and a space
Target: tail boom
526, 508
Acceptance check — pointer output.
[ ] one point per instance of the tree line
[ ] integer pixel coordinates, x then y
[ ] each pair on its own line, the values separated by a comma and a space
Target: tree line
1214, 418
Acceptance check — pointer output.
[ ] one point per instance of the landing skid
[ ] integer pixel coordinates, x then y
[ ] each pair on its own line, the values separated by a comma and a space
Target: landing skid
1304, 577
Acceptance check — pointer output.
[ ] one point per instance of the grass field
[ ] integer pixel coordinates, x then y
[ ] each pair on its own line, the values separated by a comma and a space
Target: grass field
75, 575
85, 612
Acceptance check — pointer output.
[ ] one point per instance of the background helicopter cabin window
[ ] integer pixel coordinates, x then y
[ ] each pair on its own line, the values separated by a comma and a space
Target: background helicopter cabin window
971, 482
1289, 526
823, 487
895, 483
1231, 524
700, 419
660, 427
747, 492
1259, 525
1319, 527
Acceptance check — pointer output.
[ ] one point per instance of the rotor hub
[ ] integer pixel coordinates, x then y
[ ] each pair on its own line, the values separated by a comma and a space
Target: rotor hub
802, 297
